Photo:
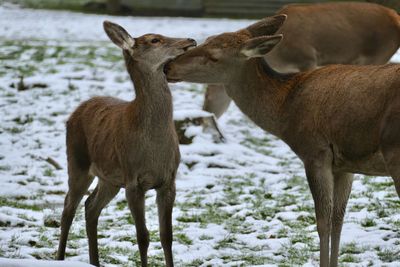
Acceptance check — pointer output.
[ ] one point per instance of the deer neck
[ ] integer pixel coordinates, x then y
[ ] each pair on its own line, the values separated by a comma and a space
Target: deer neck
153, 102
260, 93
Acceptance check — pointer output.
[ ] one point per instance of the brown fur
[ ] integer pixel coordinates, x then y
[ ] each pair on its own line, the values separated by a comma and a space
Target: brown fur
126, 144
339, 119
327, 33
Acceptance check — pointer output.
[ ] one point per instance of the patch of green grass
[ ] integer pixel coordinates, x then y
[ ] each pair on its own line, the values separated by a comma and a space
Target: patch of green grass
349, 258
229, 241
195, 263
282, 232
351, 248
122, 205
23, 120
128, 238
7, 202
189, 204
246, 259
47, 121
368, 222
49, 172
106, 254
211, 214
206, 237
389, 255
14, 130
5, 167
294, 256
183, 239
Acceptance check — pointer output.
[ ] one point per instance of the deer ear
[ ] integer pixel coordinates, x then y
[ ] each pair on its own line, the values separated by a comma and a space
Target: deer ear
267, 26
260, 46
118, 35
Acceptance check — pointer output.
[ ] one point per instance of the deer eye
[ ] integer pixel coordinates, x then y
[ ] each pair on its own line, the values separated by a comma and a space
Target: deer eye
155, 40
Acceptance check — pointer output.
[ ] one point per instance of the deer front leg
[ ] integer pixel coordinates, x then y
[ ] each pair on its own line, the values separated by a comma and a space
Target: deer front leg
216, 100
320, 180
136, 202
341, 193
94, 204
165, 203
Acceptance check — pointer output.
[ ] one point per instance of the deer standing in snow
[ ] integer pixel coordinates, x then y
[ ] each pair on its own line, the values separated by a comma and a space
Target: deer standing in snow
339, 119
126, 144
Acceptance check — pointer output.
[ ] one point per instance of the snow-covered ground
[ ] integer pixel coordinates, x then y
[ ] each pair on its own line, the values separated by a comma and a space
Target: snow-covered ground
241, 203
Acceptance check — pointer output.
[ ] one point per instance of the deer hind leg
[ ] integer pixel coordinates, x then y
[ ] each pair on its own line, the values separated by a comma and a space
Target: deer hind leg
136, 202
320, 180
165, 203
390, 145
341, 193
79, 182
392, 160
216, 100
98, 199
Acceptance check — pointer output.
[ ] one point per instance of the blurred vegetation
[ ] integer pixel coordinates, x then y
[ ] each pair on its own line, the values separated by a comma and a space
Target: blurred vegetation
95, 6
395, 4
52, 4
142, 7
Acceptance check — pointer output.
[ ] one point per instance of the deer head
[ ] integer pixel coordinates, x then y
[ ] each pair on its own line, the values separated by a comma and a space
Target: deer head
216, 60
150, 49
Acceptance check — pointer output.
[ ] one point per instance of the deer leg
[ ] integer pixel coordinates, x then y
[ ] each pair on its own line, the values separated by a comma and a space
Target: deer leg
216, 99
341, 193
390, 144
136, 203
165, 203
392, 160
320, 180
79, 181
100, 197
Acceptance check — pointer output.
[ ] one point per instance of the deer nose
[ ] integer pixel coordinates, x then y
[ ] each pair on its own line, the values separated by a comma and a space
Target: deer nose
192, 40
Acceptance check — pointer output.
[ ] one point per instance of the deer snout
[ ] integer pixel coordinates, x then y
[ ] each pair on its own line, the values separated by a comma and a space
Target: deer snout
192, 40
189, 43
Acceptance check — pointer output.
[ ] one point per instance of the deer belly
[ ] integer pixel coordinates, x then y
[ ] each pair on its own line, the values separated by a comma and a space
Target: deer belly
112, 176
372, 164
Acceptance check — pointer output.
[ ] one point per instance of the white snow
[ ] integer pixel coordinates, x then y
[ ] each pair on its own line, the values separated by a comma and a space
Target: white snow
38, 263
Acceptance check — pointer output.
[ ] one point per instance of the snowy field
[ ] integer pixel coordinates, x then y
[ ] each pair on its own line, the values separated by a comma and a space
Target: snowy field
241, 203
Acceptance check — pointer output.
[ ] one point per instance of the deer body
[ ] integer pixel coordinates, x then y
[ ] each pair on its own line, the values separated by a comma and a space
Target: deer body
339, 119
131, 145
335, 33
330, 33
345, 117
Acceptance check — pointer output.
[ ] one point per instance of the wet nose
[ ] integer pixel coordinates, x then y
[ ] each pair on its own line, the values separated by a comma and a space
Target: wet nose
192, 40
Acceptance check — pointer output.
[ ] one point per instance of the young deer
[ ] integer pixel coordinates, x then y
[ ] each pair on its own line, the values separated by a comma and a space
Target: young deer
330, 33
127, 144
339, 119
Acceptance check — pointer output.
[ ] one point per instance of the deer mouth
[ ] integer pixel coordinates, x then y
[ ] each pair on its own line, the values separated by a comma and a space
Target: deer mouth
191, 46
167, 68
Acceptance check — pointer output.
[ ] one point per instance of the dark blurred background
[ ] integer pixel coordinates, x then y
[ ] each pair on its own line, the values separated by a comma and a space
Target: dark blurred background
186, 8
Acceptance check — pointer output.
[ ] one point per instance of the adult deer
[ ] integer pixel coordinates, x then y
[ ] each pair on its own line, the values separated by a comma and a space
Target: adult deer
126, 144
322, 34
339, 119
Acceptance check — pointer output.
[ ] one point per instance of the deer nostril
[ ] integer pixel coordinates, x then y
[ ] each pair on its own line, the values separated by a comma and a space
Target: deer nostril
192, 40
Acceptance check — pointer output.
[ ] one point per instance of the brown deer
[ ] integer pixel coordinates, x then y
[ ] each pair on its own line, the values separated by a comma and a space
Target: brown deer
126, 144
339, 119
322, 34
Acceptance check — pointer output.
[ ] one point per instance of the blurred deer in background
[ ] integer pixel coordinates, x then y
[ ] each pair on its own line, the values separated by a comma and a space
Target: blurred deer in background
127, 144
327, 33
339, 119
